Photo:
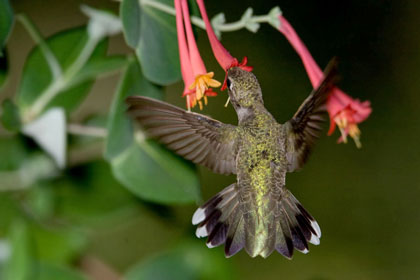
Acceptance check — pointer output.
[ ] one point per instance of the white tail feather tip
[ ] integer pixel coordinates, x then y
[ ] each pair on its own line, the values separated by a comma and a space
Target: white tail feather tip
209, 245
314, 239
198, 216
201, 232
316, 227
305, 251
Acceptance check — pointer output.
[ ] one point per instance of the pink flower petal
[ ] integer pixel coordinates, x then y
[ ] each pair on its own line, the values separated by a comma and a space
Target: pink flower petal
224, 58
195, 57
338, 102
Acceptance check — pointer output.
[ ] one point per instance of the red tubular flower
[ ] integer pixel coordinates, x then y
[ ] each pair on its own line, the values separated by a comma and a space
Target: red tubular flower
225, 59
196, 79
344, 111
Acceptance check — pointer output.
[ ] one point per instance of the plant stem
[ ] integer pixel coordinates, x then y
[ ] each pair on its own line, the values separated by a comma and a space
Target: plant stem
45, 49
62, 81
225, 27
83, 130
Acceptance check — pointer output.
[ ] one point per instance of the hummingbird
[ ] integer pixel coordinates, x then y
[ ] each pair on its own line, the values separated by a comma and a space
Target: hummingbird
257, 212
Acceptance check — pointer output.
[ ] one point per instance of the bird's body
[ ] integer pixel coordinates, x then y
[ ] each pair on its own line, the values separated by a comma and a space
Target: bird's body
257, 212
262, 154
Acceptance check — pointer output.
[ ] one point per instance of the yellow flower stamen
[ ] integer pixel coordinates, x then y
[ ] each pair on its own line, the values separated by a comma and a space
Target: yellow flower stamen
354, 132
342, 123
347, 128
201, 85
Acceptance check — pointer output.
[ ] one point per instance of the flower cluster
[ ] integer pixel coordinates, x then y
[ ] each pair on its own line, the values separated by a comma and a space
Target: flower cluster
197, 80
344, 111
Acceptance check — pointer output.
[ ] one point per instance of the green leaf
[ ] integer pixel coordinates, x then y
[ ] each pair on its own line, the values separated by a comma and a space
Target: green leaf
10, 116
40, 201
6, 22
97, 67
130, 16
58, 246
12, 153
49, 271
153, 35
66, 46
20, 265
10, 212
190, 260
156, 174
145, 168
119, 125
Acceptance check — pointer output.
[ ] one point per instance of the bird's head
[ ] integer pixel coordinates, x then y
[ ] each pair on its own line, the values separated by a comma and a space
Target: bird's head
243, 87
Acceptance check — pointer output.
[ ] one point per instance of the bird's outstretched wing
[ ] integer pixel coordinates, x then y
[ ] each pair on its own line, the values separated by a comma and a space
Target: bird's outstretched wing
303, 129
196, 137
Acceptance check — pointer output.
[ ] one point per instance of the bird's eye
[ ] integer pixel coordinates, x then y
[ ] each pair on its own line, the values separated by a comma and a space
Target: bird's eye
229, 83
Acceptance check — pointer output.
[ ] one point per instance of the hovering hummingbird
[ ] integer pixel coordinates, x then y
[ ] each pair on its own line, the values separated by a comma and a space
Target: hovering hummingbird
256, 212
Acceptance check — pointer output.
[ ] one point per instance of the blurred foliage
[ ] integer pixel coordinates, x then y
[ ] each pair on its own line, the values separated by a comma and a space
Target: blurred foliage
66, 47
10, 118
188, 261
152, 34
6, 22
119, 196
163, 177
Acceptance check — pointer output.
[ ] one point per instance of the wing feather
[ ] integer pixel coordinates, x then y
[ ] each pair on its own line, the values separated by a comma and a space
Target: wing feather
304, 128
196, 137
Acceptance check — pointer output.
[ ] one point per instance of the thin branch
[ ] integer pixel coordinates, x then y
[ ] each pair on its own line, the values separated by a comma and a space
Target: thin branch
59, 84
219, 27
93, 131
45, 49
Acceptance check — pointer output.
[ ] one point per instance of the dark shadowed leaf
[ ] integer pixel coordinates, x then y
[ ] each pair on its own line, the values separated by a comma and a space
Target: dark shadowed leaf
6, 22
145, 168
90, 195
4, 67
12, 153
10, 116
153, 35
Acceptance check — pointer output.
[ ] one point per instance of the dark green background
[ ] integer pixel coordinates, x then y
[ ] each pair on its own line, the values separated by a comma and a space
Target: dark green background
366, 201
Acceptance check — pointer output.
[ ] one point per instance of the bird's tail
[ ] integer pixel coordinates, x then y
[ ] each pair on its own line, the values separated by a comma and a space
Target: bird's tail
224, 220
